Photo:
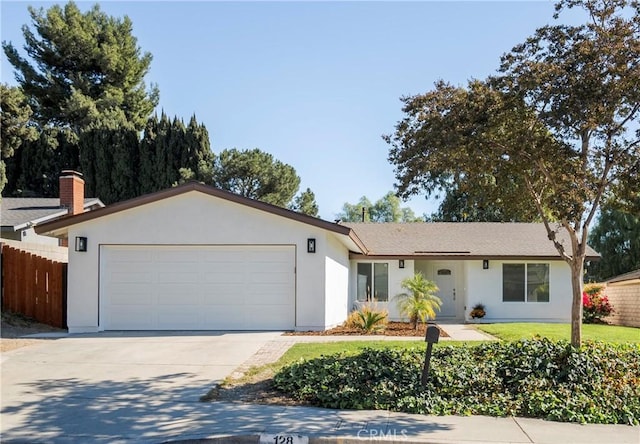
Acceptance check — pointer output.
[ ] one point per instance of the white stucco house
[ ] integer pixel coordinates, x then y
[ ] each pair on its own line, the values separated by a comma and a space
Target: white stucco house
195, 257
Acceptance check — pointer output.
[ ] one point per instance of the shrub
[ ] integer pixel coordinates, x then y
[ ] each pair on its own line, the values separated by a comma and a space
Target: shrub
595, 306
420, 301
599, 383
368, 319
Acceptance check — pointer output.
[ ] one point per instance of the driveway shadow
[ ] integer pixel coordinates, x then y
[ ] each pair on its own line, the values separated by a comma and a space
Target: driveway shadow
73, 410
155, 410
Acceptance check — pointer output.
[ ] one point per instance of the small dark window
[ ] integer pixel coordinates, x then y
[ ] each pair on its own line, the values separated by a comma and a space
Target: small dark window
444, 272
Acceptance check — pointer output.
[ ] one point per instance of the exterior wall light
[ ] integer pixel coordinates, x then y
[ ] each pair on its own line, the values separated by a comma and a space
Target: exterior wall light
311, 245
485, 264
401, 263
81, 243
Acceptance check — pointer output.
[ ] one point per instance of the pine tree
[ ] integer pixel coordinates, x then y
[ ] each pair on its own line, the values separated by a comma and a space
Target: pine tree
305, 203
81, 67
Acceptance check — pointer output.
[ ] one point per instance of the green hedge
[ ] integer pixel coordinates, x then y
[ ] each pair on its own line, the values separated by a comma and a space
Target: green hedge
598, 383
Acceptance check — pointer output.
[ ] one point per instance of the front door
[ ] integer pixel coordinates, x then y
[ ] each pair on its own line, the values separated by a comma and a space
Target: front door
445, 279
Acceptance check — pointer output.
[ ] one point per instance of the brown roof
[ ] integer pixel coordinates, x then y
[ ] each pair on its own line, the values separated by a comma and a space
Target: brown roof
460, 239
630, 276
442, 239
60, 225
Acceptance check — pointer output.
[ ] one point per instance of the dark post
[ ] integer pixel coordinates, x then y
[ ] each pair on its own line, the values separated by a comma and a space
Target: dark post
433, 333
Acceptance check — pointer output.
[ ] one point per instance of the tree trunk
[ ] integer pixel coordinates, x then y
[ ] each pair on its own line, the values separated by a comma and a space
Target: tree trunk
576, 306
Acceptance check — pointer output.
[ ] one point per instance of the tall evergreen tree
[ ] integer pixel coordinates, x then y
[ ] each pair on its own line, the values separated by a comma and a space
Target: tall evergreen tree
198, 157
147, 177
171, 153
40, 162
82, 66
110, 160
305, 203
15, 128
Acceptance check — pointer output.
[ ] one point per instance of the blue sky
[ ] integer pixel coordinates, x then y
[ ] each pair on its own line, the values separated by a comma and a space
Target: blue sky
314, 83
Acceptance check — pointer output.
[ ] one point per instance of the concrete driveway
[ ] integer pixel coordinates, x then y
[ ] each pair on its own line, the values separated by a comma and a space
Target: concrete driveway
116, 386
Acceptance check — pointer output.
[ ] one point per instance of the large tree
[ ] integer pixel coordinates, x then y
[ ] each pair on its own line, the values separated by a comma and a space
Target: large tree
460, 206
110, 161
255, 174
558, 124
80, 67
37, 164
15, 127
171, 152
616, 236
386, 209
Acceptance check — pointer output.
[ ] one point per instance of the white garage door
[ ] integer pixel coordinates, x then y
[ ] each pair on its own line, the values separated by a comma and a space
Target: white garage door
197, 287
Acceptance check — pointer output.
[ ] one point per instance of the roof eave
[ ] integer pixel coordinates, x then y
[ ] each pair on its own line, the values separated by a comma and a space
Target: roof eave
441, 256
60, 227
92, 202
30, 223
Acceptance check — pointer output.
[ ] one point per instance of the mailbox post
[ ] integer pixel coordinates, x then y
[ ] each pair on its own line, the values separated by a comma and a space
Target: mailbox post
433, 334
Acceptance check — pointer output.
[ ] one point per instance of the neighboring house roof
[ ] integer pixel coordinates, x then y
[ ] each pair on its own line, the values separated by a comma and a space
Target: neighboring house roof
22, 212
484, 240
60, 227
631, 276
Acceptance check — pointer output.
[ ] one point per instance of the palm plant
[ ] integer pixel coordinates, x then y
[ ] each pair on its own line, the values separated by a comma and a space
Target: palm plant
420, 301
368, 319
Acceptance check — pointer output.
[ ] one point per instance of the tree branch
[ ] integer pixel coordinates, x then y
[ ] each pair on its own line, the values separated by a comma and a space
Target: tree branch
551, 234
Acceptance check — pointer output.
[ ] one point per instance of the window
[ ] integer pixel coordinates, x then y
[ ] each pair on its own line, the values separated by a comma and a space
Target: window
525, 282
373, 282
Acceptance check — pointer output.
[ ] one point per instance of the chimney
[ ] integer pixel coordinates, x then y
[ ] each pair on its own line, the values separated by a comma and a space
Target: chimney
72, 191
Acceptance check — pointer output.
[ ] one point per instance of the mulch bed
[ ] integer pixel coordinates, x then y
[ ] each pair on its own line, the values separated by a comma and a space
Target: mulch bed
393, 329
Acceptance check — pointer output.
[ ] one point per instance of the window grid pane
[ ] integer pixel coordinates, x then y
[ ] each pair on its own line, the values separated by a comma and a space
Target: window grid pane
537, 282
381, 282
513, 285
364, 282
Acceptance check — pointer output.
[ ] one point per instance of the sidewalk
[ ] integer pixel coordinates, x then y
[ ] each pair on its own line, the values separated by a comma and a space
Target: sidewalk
244, 423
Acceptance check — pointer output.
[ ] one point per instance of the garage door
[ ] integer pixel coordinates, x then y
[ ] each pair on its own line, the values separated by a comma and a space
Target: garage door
197, 287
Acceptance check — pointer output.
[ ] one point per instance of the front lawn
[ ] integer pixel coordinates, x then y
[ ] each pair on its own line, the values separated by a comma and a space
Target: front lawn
599, 383
557, 332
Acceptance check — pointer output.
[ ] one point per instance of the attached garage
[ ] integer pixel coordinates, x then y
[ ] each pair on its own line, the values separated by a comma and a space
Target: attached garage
194, 257
197, 287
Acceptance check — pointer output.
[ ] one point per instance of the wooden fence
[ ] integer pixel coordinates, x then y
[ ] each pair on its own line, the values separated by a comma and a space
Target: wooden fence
34, 286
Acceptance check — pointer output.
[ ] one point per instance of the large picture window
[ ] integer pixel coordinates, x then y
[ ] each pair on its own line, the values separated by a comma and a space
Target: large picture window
373, 282
525, 282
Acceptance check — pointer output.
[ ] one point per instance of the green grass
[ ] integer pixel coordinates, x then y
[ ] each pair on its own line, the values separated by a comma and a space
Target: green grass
316, 349
556, 332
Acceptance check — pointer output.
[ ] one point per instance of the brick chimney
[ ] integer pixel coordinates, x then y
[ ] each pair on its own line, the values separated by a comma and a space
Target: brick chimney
72, 191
